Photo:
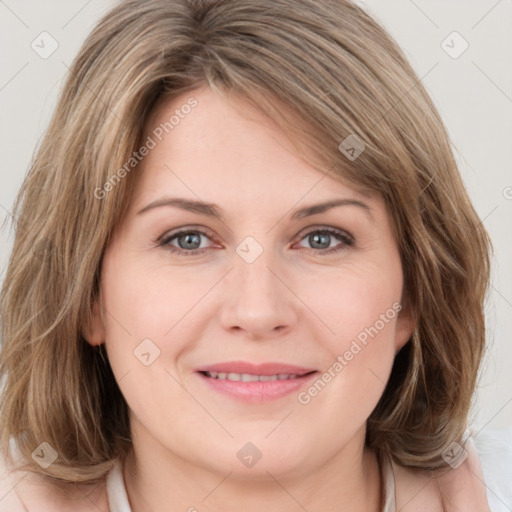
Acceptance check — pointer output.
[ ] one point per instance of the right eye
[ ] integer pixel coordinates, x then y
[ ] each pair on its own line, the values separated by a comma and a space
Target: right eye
188, 241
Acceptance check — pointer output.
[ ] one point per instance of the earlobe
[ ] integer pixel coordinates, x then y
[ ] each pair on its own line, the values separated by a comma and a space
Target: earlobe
405, 325
94, 331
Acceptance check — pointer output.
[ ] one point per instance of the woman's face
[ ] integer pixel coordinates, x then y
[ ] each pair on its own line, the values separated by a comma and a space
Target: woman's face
257, 286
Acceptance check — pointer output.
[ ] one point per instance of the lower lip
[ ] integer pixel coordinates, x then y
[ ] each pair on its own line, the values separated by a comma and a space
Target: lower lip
257, 392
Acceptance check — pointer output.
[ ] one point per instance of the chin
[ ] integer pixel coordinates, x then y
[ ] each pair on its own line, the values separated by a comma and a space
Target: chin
254, 460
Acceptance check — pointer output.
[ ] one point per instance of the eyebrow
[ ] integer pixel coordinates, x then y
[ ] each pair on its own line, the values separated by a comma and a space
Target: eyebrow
213, 210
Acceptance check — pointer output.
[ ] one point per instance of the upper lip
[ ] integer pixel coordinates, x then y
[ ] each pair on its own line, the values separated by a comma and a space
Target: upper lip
256, 369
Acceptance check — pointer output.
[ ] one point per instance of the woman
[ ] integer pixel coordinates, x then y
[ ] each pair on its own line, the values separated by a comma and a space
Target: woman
246, 271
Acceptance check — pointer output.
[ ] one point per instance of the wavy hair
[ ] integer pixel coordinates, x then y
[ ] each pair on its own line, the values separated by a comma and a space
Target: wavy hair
324, 70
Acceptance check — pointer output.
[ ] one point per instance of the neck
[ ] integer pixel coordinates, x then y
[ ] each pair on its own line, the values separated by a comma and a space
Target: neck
157, 480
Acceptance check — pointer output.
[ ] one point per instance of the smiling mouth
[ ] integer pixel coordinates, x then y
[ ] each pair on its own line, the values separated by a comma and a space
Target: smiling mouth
249, 377
255, 388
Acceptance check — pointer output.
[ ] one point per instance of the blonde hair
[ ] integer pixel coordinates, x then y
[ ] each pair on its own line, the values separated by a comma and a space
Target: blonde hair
324, 62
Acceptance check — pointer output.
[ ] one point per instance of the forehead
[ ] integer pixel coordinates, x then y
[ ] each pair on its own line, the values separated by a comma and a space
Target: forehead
227, 147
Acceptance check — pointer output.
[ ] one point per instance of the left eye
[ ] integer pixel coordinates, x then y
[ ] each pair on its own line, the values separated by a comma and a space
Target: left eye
189, 241
322, 237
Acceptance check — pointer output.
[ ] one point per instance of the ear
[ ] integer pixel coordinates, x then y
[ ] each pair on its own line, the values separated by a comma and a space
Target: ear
94, 331
405, 325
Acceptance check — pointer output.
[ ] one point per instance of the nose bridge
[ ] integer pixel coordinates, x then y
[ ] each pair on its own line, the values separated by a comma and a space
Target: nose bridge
255, 280
259, 302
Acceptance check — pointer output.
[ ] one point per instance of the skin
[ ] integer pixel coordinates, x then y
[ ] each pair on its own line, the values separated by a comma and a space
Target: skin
293, 304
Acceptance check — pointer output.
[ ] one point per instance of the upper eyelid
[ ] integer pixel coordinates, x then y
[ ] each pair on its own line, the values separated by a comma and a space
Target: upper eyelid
185, 229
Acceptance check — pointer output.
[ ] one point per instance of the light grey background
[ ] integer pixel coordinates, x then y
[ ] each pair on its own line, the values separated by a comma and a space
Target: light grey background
473, 93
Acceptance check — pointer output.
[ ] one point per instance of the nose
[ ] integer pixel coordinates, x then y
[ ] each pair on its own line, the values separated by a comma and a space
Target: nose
257, 299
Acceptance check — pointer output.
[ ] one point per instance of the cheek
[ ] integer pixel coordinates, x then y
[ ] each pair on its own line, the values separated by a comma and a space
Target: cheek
146, 301
139, 310
147, 311
363, 305
361, 301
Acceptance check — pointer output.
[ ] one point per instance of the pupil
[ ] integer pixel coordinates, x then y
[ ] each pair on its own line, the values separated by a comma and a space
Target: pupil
317, 238
190, 238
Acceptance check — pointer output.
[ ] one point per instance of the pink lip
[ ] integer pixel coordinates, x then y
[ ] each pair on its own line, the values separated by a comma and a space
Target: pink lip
255, 369
261, 391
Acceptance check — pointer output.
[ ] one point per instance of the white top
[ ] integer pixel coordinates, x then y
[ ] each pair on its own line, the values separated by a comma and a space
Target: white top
116, 492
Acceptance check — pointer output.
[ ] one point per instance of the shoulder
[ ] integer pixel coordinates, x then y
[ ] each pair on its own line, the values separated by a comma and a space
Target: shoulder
24, 491
480, 483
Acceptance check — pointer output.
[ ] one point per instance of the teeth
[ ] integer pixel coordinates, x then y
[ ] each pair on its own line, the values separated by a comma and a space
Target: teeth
247, 377
268, 377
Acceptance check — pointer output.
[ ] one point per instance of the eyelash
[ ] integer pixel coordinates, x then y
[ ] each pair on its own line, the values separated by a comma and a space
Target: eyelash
164, 241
